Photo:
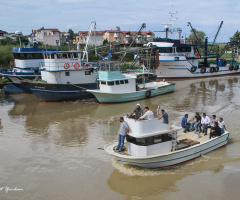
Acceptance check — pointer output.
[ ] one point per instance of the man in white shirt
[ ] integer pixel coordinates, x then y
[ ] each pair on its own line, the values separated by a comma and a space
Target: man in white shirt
221, 124
148, 114
205, 123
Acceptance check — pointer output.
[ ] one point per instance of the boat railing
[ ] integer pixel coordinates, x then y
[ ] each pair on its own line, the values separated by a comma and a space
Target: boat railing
109, 66
59, 66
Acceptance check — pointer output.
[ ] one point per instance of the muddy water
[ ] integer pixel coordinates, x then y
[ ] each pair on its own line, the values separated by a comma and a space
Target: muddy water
54, 150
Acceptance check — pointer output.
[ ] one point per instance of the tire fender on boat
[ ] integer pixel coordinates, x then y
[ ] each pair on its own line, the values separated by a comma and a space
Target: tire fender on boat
186, 55
216, 69
203, 70
148, 94
86, 65
76, 65
197, 54
66, 65
193, 69
236, 67
212, 69
230, 67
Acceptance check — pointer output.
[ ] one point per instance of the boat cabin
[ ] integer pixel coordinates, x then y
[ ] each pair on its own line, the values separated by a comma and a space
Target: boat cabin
113, 81
149, 137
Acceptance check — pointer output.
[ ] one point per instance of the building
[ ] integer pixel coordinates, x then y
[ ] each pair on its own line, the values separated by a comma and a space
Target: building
97, 40
46, 36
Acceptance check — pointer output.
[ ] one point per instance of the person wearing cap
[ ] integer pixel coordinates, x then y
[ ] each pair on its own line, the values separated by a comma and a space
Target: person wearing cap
164, 116
148, 114
138, 111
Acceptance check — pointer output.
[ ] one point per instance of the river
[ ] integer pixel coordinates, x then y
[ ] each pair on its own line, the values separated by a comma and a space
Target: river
53, 150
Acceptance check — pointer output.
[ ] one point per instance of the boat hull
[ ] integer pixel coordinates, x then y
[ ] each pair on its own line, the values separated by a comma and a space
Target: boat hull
106, 97
182, 69
60, 92
172, 158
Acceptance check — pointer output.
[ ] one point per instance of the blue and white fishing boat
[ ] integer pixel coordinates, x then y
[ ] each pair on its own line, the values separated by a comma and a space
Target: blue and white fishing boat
27, 61
153, 144
116, 87
64, 77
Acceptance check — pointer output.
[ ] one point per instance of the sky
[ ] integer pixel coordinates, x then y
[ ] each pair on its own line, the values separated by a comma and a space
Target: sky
204, 15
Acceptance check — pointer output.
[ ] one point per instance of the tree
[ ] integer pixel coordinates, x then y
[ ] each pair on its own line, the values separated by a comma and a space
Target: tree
70, 31
236, 38
192, 39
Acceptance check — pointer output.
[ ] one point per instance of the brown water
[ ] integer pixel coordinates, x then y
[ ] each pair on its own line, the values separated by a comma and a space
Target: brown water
53, 150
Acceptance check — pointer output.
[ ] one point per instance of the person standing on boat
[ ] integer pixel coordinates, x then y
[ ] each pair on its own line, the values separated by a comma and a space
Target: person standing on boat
164, 116
221, 124
205, 123
148, 114
124, 130
185, 124
138, 111
215, 131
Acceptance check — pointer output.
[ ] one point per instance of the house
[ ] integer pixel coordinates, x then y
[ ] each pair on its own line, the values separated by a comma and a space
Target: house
96, 39
46, 36
3, 34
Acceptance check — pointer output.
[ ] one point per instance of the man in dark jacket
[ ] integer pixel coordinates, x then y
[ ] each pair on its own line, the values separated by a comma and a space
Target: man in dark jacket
215, 131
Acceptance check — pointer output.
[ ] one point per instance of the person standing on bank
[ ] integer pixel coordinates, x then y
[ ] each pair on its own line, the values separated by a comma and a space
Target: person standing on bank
164, 116
148, 114
124, 130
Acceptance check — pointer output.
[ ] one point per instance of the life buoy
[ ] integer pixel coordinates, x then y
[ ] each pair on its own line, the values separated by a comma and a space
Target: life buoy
197, 54
66, 65
182, 41
203, 70
86, 65
148, 94
216, 69
230, 67
193, 69
236, 67
76, 65
211, 69
186, 55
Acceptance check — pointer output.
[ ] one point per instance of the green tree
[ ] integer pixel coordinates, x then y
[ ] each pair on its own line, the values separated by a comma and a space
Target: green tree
192, 39
236, 38
70, 31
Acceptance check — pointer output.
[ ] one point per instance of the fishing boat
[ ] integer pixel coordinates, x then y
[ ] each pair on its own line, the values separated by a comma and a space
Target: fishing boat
64, 77
179, 57
153, 144
27, 61
116, 87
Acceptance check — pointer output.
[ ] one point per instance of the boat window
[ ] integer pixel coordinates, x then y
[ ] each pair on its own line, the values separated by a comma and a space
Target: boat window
87, 73
22, 56
59, 55
38, 56
16, 55
103, 82
121, 81
29, 56
117, 82
52, 56
64, 55
149, 140
75, 55
165, 49
183, 49
67, 73
126, 81
111, 83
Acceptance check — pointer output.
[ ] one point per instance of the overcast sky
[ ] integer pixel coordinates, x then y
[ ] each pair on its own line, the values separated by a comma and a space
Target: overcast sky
204, 15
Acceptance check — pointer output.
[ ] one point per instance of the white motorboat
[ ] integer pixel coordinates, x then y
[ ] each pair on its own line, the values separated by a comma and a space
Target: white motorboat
153, 144
116, 87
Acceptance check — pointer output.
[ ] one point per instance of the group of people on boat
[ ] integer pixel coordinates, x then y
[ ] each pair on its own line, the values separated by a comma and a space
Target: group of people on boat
137, 115
200, 124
